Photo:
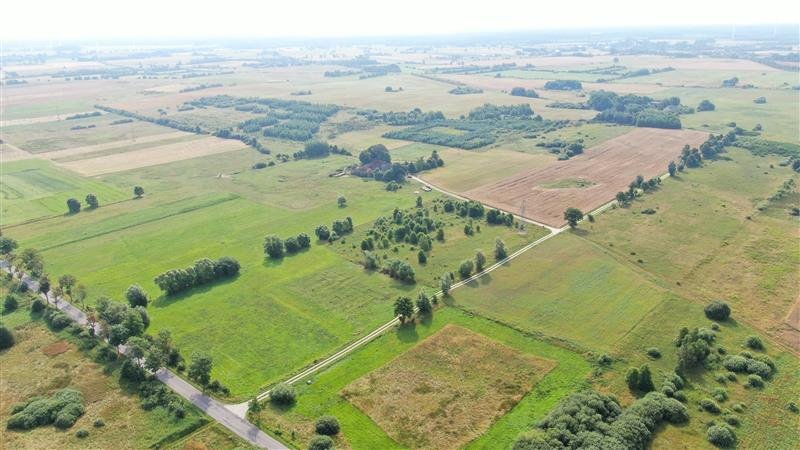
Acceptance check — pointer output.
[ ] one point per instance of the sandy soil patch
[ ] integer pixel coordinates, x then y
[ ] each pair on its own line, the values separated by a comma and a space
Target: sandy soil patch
153, 156
611, 165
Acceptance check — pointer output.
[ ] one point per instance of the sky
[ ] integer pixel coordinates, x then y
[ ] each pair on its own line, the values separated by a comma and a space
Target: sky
49, 20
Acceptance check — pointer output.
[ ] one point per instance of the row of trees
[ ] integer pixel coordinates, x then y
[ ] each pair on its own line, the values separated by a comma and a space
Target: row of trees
203, 272
563, 85
276, 248
339, 229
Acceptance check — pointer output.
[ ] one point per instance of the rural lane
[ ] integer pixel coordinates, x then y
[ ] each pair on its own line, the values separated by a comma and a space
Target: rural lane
233, 416
217, 410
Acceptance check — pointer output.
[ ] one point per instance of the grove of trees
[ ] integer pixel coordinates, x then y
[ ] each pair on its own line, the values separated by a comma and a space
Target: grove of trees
204, 271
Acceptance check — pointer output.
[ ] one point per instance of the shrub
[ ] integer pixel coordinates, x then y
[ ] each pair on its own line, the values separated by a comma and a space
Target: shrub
654, 353
792, 406
679, 396
99, 423
82, 433
283, 395
327, 425
731, 376
604, 360
755, 381
6, 338
136, 296
718, 310
710, 405
10, 303
754, 342
732, 420
320, 443
38, 306
721, 436
720, 394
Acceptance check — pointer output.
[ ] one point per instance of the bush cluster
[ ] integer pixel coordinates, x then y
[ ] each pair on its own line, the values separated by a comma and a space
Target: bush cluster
62, 409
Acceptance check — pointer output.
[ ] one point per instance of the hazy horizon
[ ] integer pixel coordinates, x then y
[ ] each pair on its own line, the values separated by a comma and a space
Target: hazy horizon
149, 20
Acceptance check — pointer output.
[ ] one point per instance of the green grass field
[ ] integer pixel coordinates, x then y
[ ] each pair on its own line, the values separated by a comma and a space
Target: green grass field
778, 116
33, 189
565, 280
322, 395
765, 409
708, 240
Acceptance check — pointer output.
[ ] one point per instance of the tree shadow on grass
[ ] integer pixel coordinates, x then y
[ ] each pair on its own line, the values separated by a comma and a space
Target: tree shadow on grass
582, 232
407, 332
166, 300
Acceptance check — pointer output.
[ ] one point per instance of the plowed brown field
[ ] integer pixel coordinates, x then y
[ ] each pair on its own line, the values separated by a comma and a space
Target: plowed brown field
611, 166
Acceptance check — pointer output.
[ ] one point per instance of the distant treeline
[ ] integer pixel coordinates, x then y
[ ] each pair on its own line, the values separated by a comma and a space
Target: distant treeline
200, 87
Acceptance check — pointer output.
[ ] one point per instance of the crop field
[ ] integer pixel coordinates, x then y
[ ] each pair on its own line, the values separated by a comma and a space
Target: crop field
610, 165
52, 136
42, 362
324, 395
447, 390
153, 155
709, 240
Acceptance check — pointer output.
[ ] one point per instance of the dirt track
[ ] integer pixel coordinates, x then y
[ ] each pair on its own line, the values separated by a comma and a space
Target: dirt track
611, 165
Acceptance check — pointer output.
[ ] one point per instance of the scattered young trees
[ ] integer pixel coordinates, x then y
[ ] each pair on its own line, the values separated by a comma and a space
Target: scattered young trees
500, 251
400, 270
480, 261
466, 268
672, 168
341, 201
446, 283
322, 232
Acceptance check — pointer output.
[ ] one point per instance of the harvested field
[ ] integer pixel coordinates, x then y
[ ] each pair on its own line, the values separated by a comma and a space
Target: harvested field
75, 151
41, 119
9, 153
447, 390
153, 156
610, 166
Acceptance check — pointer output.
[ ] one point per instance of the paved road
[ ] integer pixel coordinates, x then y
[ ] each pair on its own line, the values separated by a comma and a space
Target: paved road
231, 418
